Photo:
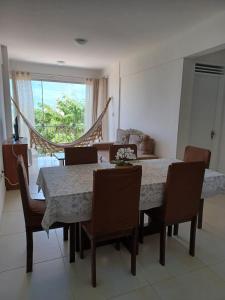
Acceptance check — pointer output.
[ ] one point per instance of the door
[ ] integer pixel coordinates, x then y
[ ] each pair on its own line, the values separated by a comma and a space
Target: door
206, 113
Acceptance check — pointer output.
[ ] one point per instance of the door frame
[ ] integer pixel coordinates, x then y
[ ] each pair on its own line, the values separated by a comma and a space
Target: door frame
219, 116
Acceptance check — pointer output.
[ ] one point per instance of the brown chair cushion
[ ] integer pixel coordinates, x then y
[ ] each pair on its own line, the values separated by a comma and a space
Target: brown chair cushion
37, 207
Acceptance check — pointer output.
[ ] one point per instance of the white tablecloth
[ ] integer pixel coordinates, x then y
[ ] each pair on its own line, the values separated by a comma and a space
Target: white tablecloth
68, 189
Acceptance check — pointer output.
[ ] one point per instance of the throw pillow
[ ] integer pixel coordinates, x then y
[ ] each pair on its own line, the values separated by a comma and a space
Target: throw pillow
136, 139
122, 136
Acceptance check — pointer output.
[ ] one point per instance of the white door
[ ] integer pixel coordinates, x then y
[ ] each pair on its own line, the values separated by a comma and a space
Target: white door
206, 113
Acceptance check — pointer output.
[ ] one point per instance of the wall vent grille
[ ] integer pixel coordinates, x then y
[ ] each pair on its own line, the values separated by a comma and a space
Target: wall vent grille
209, 69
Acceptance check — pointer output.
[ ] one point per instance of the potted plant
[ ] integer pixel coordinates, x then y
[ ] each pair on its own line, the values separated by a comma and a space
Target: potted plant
124, 156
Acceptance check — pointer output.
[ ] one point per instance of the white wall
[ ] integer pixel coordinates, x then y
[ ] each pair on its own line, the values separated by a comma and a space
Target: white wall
185, 106
113, 90
2, 138
150, 102
151, 82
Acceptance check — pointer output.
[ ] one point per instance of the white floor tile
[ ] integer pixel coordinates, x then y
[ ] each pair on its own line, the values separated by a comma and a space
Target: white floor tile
219, 269
113, 273
64, 246
178, 260
144, 293
210, 247
46, 248
49, 280
12, 222
13, 201
13, 249
202, 284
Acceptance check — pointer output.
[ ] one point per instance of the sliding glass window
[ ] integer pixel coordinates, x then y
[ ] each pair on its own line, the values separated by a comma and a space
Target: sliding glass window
59, 109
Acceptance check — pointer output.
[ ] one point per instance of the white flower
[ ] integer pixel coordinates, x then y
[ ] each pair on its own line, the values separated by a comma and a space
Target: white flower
125, 154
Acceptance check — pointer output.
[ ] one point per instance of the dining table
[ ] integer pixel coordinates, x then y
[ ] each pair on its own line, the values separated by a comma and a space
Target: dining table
68, 189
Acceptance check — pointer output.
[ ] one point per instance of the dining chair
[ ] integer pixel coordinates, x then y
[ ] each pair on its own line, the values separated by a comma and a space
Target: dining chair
181, 201
80, 155
115, 210
33, 214
193, 153
115, 147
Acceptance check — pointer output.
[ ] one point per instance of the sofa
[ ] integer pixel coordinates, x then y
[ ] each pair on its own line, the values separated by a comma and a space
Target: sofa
145, 144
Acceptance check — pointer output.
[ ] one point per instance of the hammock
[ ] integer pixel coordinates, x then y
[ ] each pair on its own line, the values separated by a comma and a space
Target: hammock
94, 134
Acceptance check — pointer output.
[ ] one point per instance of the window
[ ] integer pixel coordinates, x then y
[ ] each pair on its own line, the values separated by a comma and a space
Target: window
59, 109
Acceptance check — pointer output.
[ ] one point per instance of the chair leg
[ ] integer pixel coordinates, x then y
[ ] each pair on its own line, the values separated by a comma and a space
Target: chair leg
77, 234
162, 245
72, 242
169, 232
141, 231
65, 232
117, 246
192, 236
81, 236
29, 236
134, 251
93, 262
175, 229
200, 214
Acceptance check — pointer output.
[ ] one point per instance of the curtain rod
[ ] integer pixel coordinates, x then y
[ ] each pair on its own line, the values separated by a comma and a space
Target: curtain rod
57, 75
78, 77
42, 76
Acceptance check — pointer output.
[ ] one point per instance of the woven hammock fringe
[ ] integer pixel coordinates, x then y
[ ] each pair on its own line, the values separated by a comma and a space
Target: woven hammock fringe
94, 134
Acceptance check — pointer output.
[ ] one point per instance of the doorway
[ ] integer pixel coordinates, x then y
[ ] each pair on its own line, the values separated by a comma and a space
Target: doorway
202, 107
207, 109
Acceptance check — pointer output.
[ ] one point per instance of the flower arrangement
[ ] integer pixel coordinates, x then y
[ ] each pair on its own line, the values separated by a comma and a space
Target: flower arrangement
123, 156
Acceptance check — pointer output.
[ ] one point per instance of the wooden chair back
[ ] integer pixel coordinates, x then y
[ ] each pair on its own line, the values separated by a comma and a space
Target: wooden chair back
114, 148
24, 187
80, 155
116, 195
183, 191
193, 153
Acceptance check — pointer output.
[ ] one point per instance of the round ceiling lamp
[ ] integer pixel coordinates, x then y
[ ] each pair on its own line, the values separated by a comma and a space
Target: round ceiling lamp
61, 62
81, 41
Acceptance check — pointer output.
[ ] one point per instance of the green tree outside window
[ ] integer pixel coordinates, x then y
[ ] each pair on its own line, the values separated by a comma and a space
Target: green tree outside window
64, 123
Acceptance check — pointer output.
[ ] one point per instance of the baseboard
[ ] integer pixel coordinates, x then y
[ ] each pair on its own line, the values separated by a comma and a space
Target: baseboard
2, 196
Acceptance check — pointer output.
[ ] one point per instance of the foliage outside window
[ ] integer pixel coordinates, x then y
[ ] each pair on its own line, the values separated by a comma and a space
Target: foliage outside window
59, 110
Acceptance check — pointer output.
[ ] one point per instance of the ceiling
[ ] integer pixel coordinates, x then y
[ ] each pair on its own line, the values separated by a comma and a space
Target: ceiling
44, 31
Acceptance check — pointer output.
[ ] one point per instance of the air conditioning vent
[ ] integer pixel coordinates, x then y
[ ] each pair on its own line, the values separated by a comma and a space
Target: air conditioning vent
209, 69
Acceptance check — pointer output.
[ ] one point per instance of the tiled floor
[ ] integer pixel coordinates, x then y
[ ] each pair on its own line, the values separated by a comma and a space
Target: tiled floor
53, 277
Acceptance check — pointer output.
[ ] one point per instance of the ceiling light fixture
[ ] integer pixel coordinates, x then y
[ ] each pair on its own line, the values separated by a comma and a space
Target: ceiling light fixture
61, 62
81, 41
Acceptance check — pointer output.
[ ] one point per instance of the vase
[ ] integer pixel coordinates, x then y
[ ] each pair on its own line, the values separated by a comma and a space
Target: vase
122, 164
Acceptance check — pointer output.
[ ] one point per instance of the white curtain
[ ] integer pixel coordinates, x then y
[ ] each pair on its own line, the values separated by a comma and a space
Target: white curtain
97, 95
91, 102
22, 93
102, 100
